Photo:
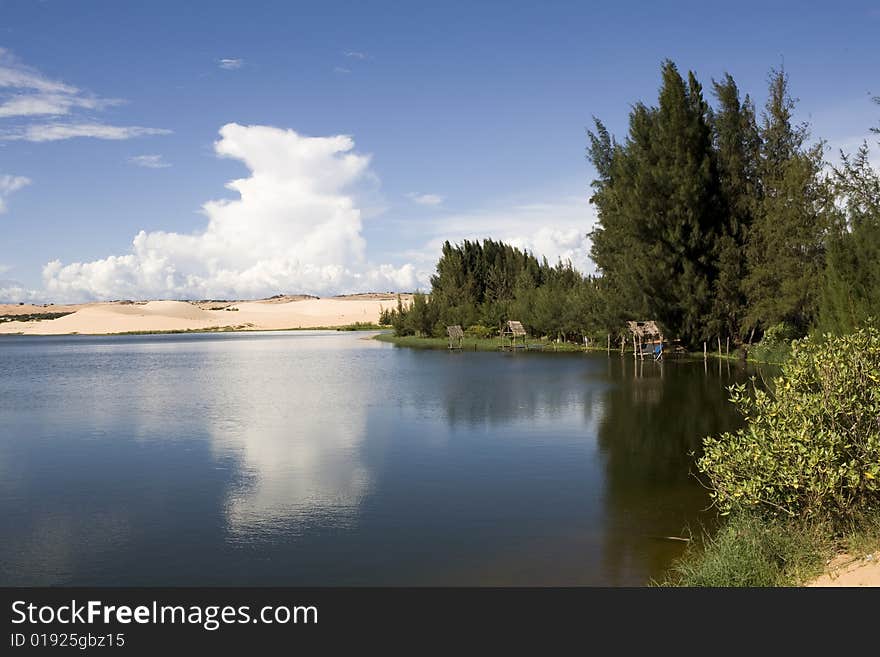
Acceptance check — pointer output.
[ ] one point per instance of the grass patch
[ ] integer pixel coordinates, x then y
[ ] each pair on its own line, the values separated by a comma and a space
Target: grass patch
474, 344
210, 329
770, 353
751, 550
760, 354
361, 326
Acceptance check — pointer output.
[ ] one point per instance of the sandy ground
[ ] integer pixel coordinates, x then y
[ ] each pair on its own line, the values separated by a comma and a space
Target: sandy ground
846, 570
283, 312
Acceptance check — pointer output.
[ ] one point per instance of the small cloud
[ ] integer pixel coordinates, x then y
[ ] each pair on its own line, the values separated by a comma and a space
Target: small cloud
59, 131
426, 199
8, 185
356, 55
26, 93
231, 64
341, 69
52, 104
5, 268
149, 161
34, 94
14, 74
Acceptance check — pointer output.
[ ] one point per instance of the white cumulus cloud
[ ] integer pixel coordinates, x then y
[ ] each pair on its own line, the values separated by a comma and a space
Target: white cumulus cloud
556, 229
14, 292
295, 227
231, 64
8, 185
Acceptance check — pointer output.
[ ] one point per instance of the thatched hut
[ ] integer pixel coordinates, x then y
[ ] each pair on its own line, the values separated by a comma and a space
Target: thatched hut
510, 332
647, 339
456, 335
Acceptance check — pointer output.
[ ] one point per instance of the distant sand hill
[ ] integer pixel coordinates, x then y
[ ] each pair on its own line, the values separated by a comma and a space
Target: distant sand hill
280, 312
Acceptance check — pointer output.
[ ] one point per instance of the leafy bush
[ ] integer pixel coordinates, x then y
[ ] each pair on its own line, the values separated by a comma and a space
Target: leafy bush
479, 331
812, 441
779, 334
775, 346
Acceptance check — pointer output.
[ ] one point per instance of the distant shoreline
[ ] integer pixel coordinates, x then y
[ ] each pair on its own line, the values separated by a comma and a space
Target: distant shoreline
214, 329
350, 312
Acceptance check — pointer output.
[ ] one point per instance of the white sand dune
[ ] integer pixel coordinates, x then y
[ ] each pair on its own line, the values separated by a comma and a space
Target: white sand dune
116, 317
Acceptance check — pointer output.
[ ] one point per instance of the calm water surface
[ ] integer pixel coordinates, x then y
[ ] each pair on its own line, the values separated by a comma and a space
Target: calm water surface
322, 458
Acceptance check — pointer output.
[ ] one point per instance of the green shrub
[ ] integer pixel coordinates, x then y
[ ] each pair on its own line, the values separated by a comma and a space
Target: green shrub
775, 346
480, 332
385, 316
779, 334
811, 445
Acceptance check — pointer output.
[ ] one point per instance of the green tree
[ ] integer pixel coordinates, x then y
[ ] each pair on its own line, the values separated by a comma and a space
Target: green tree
851, 290
737, 147
786, 249
421, 317
659, 208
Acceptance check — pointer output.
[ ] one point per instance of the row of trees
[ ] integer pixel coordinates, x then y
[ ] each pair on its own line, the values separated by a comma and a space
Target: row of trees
480, 285
711, 220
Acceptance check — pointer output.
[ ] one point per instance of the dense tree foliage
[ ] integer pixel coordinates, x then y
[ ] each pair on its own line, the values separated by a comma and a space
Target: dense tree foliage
479, 285
709, 221
786, 250
660, 212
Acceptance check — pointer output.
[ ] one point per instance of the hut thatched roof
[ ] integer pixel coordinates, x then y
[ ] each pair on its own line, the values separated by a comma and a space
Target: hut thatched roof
514, 328
455, 332
647, 329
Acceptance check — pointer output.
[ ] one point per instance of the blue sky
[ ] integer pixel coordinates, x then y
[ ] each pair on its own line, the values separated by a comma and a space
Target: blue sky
462, 120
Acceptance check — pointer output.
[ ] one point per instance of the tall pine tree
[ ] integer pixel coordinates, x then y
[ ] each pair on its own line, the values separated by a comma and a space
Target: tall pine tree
737, 147
659, 209
786, 244
851, 291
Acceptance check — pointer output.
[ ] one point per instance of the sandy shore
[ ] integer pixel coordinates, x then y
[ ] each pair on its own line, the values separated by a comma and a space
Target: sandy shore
846, 570
284, 312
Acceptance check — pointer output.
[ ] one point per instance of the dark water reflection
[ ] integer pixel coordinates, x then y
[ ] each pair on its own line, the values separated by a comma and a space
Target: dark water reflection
322, 458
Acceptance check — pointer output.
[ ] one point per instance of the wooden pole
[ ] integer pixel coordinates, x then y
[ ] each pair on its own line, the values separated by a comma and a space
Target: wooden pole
609, 344
622, 345
704, 350
719, 346
635, 353
728, 347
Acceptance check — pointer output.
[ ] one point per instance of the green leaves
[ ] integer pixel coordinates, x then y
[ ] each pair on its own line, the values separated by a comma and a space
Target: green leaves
812, 441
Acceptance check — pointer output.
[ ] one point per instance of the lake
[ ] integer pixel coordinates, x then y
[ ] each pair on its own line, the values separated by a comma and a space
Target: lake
327, 458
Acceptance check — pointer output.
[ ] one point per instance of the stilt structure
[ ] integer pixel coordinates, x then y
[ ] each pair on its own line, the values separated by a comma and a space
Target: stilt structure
456, 335
510, 333
647, 340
